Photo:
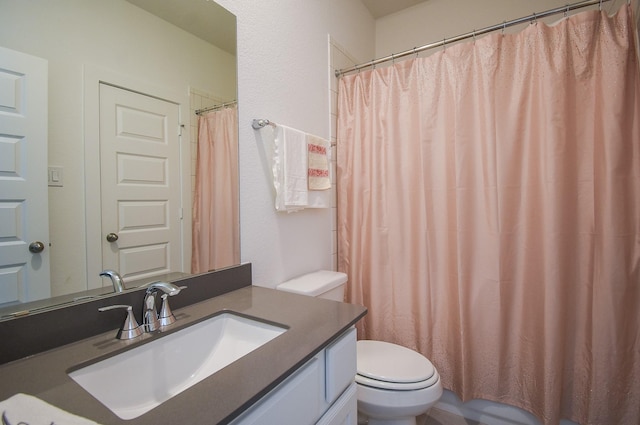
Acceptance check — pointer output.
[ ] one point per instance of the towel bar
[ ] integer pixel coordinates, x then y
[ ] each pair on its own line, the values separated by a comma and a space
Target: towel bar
257, 124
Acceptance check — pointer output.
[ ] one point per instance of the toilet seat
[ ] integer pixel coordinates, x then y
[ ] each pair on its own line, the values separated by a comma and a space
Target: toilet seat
389, 366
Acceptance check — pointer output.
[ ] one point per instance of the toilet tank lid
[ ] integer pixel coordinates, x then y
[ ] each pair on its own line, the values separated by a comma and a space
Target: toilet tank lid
315, 283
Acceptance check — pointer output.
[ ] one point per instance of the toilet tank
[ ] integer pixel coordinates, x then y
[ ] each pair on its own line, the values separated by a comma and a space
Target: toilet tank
321, 284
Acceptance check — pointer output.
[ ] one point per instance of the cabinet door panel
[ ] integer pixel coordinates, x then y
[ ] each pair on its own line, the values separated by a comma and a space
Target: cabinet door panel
295, 401
341, 367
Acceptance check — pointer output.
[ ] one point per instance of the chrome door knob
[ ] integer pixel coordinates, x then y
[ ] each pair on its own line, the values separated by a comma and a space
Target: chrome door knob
112, 237
36, 247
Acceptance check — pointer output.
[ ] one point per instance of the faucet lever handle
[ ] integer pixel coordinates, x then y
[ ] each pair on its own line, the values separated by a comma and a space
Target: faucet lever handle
166, 315
130, 329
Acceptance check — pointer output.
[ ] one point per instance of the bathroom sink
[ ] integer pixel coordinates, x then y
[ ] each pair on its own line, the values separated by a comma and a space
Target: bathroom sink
134, 382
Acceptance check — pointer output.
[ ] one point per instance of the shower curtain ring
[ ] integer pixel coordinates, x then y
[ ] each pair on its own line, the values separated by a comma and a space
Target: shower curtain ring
504, 26
535, 19
414, 51
600, 5
474, 35
444, 44
393, 59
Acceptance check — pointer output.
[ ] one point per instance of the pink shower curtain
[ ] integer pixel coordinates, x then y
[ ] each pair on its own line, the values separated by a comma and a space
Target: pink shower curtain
489, 214
216, 227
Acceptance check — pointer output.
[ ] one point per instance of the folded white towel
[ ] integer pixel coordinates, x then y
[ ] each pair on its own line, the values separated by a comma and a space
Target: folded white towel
26, 409
290, 169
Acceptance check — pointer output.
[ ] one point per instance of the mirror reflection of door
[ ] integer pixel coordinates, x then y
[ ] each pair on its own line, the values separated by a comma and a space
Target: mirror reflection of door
24, 221
140, 183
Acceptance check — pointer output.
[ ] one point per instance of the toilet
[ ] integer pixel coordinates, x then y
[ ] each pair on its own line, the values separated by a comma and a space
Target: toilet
395, 384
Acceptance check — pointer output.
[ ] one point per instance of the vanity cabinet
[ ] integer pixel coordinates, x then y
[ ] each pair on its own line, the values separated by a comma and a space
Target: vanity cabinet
309, 369
322, 391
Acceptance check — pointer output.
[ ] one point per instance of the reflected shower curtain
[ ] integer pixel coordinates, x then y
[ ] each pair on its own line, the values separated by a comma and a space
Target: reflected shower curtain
489, 214
216, 227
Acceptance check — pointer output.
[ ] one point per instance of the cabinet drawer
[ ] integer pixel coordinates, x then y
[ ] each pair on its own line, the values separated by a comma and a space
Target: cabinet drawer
340, 365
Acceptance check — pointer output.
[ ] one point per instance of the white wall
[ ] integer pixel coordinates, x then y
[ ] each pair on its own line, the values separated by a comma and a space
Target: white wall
283, 75
118, 37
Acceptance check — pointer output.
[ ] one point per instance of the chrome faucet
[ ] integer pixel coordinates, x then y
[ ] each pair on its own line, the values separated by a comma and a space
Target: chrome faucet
150, 319
116, 280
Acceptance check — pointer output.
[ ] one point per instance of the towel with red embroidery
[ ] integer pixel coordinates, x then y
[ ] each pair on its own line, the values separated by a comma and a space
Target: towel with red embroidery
318, 163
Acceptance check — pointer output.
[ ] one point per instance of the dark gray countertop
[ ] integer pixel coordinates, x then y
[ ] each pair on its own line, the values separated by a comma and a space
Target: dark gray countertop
313, 324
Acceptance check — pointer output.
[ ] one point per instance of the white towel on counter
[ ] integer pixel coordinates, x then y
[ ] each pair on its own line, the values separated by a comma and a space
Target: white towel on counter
24, 408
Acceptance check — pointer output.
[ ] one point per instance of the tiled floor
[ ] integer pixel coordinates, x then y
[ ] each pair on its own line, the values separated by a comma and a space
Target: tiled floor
441, 417
436, 417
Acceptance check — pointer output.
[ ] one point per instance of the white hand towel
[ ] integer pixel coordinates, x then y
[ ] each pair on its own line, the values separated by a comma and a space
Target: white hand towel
24, 408
290, 169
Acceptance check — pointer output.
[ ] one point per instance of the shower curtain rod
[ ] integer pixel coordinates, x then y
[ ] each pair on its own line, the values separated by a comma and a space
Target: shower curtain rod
531, 18
214, 107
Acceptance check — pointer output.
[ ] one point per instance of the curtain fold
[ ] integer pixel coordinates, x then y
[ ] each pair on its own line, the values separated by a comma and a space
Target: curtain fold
489, 214
216, 227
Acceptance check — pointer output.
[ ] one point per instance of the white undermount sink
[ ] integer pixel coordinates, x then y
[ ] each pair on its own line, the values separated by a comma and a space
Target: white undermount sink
134, 382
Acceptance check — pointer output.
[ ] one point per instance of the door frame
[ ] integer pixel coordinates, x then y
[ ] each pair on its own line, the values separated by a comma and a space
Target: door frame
93, 77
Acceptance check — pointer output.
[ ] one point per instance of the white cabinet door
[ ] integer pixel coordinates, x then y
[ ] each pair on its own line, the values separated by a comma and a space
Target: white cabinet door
341, 357
294, 402
322, 391
24, 218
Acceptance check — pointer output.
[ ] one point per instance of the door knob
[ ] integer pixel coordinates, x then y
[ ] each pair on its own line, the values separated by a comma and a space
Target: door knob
112, 237
36, 247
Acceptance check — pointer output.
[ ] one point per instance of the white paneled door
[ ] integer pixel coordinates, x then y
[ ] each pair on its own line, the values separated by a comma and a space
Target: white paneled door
140, 183
24, 218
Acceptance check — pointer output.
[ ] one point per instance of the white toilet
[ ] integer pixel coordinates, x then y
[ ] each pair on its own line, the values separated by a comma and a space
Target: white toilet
395, 384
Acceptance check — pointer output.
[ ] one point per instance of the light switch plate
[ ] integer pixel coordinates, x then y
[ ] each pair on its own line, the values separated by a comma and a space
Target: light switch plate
55, 177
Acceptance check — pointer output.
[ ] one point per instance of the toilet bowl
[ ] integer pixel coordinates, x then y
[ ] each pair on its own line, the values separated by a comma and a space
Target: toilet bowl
395, 384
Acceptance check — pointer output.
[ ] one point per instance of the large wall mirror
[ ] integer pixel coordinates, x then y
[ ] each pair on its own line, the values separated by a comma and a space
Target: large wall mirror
122, 82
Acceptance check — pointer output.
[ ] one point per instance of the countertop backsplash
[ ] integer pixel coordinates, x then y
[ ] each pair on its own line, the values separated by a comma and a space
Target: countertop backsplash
35, 333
